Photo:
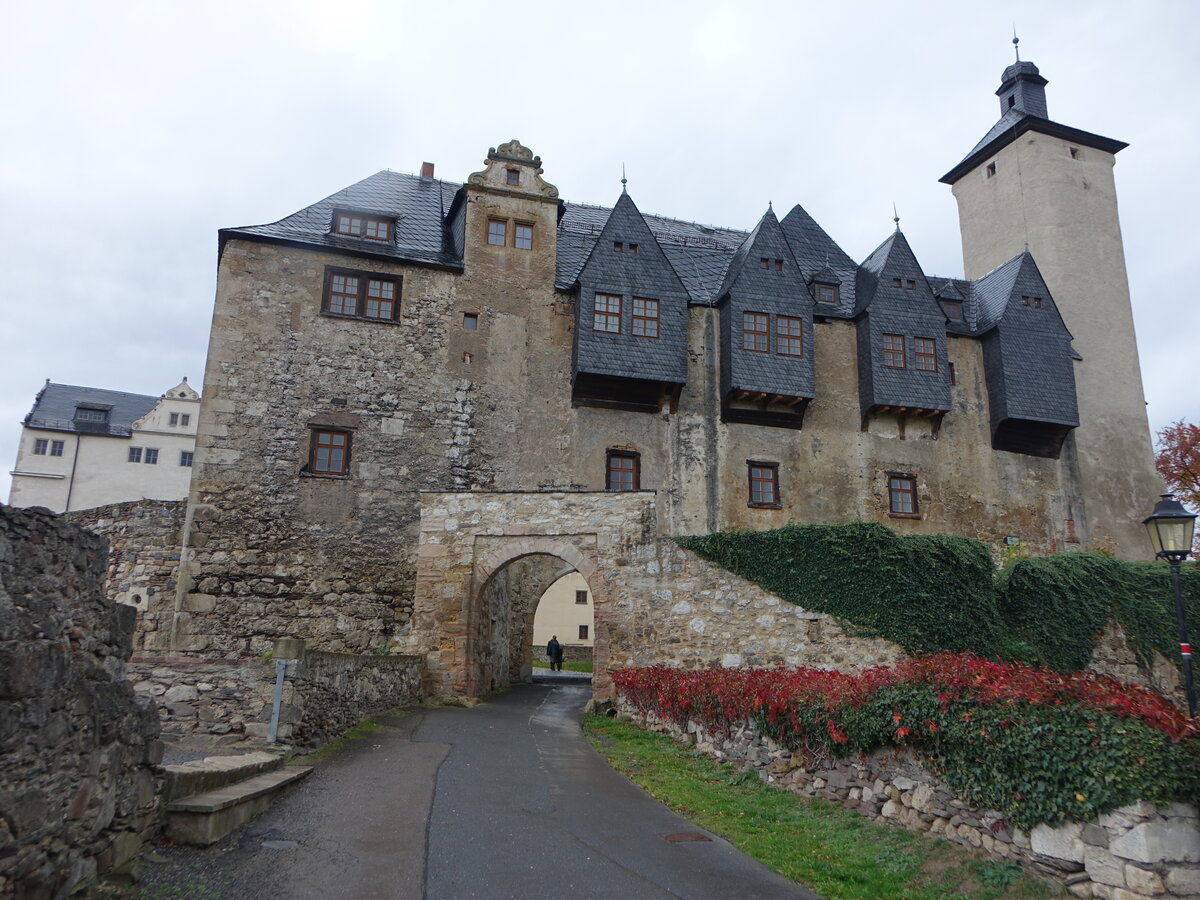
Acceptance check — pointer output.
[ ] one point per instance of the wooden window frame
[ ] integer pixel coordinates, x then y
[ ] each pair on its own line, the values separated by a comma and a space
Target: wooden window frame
760, 473
784, 339
367, 225
634, 469
827, 293
501, 232
362, 296
320, 438
891, 352
902, 487
581, 598
952, 310
922, 361
648, 323
584, 631
512, 177
606, 316
750, 336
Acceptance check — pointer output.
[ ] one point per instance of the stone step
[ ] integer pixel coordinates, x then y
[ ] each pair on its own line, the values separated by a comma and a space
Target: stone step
206, 818
212, 772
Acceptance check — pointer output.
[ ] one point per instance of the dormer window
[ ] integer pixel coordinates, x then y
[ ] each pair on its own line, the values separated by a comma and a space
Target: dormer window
371, 228
1035, 302
952, 309
512, 176
91, 414
827, 293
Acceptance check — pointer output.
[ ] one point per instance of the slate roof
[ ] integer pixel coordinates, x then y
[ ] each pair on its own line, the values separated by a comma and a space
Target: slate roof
55, 405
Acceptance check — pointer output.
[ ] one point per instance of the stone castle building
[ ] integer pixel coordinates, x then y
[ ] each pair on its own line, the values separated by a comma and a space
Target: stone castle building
409, 337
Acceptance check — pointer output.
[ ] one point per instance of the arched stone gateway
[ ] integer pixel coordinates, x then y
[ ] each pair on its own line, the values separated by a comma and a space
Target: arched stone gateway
484, 559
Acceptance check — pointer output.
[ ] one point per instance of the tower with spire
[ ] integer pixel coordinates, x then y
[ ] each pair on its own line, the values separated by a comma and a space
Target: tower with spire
1036, 186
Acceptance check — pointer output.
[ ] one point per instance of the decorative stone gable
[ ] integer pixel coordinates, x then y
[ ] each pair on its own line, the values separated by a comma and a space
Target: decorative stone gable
514, 157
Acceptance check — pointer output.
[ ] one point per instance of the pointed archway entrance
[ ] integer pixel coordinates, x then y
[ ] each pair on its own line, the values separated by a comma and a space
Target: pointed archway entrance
485, 558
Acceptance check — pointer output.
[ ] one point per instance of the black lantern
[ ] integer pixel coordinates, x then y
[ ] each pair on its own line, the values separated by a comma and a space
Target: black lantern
1170, 527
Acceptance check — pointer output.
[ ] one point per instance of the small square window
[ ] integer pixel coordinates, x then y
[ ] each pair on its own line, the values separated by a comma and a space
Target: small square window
184, 418
779, 265
512, 176
151, 458
40, 445
633, 248
764, 263
135, 454
583, 632
470, 322
1075, 154
185, 458
581, 598
789, 336
910, 285
764, 484
902, 495
893, 351
56, 448
755, 334
896, 282
174, 419
618, 247
624, 470
606, 313
827, 293
497, 232
645, 317
523, 237
330, 453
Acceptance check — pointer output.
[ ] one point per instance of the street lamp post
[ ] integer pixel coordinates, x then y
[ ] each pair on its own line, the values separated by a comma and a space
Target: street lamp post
1170, 527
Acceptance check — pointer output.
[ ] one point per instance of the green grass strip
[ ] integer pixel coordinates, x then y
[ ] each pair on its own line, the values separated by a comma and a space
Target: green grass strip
834, 851
582, 665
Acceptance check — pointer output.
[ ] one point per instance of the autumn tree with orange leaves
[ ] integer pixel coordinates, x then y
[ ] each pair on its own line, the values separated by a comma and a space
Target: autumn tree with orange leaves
1178, 461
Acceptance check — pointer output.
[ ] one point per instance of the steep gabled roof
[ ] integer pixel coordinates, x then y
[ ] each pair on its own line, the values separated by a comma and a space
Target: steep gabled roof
816, 251
766, 241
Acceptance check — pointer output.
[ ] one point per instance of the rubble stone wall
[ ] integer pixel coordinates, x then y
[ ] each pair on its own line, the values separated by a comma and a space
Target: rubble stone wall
1138, 852
144, 540
77, 748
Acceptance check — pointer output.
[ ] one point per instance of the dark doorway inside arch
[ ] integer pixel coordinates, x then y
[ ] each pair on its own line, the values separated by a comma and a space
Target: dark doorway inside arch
503, 632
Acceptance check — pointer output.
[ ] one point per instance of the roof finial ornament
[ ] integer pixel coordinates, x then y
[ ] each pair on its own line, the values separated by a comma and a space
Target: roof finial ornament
624, 180
895, 215
1016, 42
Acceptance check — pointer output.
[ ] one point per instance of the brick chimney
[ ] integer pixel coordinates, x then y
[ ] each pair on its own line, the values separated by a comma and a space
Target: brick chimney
426, 170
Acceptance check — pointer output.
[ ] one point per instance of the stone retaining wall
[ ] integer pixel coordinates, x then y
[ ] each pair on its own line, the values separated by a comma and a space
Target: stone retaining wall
571, 653
224, 702
144, 539
1138, 852
77, 748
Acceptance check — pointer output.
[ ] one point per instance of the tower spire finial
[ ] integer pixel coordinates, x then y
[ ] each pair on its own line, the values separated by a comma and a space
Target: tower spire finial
896, 215
624, 180
1016, 42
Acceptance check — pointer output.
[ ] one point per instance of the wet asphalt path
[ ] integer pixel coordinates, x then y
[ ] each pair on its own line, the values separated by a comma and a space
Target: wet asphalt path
505, 800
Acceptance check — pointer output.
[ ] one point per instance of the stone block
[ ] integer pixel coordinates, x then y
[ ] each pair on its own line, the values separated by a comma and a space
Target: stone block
1063, 842
1103, 868
1159, 841
1143, 881
1183, 882
1093, 835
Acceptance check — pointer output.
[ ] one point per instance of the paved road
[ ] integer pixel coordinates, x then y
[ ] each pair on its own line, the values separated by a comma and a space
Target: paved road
504, 800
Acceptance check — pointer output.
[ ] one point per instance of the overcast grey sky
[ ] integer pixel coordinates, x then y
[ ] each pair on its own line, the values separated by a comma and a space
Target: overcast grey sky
137, 129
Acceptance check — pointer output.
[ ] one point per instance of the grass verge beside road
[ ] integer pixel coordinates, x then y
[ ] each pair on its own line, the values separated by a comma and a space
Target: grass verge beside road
579, 666
832, 850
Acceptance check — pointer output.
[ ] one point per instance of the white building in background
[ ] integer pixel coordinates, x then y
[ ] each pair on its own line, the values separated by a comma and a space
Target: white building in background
565, 610
83, 447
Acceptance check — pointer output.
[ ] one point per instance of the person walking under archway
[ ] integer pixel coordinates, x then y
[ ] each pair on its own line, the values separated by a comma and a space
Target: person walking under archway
554, 653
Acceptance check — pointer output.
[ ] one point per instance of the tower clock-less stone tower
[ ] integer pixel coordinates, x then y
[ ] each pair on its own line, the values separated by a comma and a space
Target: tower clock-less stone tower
1032, 182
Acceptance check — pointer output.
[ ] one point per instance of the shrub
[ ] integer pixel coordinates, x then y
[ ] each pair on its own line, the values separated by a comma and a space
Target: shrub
1034, 743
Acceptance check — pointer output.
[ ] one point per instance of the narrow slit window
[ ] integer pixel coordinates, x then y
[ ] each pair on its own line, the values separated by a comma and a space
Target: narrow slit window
606, 313
755, 334
645, 317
